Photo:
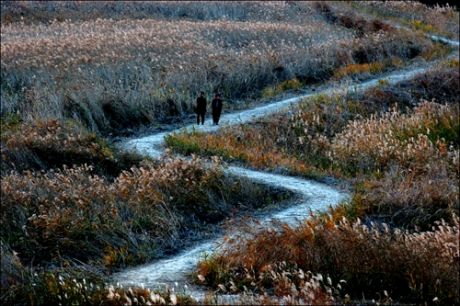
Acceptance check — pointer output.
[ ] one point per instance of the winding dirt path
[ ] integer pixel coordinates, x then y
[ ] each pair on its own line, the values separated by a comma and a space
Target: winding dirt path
314, 196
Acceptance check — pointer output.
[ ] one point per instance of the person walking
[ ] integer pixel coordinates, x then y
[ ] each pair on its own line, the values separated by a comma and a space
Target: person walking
200, 108
216, 109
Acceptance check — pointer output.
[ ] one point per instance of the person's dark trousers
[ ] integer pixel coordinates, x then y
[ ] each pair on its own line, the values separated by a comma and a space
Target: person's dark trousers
216, 116
200, 116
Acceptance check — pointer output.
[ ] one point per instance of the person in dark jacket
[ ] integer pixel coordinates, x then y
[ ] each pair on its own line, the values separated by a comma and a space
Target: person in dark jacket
216, 108
200, 108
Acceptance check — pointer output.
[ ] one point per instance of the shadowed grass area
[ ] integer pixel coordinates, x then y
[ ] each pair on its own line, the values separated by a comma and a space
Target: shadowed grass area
72, 286
45, 144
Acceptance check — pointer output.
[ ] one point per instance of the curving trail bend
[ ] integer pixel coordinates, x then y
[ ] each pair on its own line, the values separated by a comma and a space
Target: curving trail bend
314, 196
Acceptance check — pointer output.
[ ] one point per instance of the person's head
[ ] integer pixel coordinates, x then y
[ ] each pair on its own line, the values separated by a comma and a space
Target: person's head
217, 95
202, 93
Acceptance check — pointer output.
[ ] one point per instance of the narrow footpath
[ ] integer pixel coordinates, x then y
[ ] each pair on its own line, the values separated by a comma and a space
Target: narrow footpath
314, 196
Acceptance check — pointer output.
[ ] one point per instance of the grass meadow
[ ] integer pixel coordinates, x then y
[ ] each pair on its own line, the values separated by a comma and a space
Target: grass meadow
75, 208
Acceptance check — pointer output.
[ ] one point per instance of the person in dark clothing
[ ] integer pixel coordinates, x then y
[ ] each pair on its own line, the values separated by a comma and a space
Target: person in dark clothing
200, 108
216, 108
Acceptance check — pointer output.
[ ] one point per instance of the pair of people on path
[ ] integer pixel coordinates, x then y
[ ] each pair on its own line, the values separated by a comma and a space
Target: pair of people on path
216, 106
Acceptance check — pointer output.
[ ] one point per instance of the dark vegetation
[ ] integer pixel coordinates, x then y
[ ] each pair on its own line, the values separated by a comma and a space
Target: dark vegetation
352, 21
46, 144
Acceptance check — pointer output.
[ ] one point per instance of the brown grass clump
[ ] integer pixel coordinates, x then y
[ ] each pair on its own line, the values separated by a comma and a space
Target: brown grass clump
354, 69
409, 140
45, 144
232, 147
365, 261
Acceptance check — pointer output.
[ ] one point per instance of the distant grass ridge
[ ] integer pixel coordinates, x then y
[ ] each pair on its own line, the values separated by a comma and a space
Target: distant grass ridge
50, 70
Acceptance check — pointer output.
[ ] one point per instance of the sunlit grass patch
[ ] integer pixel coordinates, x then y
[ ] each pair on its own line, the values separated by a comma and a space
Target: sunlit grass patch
375, 143
420, 25
354, 69
271, 91
244, 146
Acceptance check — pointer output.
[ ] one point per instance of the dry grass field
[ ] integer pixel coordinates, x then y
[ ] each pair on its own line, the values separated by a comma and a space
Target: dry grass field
76, 76
112, 74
